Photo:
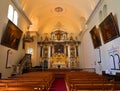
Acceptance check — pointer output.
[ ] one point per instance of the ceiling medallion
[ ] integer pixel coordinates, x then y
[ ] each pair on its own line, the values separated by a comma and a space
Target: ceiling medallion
58, 9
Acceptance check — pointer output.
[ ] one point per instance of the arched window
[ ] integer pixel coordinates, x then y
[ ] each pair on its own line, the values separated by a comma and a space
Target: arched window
15, 18
10, 12
100, 16
104, 11
112, 62
30, 51
117, 61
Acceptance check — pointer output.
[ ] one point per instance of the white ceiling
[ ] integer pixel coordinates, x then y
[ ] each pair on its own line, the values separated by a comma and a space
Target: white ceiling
70, 18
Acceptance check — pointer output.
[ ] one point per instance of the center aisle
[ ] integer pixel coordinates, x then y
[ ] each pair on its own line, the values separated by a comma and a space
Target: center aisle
58, 85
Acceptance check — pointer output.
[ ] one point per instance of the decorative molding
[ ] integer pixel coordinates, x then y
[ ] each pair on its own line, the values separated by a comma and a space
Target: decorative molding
58, 9
18, 6
96, 7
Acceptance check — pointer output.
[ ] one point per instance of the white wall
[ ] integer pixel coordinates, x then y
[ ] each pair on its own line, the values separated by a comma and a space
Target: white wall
90, 56
86, 52
34, 54
16, 55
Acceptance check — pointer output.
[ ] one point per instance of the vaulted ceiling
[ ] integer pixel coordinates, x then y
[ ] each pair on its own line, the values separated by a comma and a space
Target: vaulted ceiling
49, 15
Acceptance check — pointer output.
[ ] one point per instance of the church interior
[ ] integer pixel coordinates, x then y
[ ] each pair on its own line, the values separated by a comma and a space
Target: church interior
54, 45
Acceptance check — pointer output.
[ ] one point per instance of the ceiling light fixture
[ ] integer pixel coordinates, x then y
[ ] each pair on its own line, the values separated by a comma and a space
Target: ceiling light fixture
58, 9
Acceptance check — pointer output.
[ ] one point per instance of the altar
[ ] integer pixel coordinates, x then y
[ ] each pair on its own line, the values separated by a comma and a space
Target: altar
59, 66
59, 60
59, 50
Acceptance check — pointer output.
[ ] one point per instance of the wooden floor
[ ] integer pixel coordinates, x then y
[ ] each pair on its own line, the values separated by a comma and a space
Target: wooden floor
76, 81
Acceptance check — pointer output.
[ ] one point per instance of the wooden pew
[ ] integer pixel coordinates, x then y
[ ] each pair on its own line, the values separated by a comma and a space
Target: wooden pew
31, 80
20, 89
87, 81
92, 85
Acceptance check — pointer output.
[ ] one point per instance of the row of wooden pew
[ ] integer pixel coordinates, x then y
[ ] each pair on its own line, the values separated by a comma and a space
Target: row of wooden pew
33, 81
90, 81
76, 80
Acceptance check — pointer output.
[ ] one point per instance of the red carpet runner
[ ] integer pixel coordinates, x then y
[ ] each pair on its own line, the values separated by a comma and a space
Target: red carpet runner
58, 85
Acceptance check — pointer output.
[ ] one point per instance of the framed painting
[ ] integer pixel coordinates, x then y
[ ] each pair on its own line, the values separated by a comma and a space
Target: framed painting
95, 35
12, 35
45, 52
109, 28
59, 48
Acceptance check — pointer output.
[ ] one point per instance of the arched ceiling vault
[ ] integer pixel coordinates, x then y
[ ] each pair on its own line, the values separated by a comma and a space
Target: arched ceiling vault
48, 15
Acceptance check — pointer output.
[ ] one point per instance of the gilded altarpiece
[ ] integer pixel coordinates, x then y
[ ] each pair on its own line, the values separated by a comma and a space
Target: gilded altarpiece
60, 50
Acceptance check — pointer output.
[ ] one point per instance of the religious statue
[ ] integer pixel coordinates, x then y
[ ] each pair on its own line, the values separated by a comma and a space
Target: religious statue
58, 35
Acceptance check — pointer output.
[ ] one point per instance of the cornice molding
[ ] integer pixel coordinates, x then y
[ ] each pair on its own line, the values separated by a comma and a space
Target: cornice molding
19, 8
96, 7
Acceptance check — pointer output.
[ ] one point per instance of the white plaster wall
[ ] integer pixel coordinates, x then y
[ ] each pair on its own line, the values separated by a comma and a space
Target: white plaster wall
89, 55
16, 55
86, 52
34, 55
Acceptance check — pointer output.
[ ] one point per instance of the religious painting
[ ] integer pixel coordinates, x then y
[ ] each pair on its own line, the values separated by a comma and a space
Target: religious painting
59, 48
12, 35
45, 52
95, 35
72, 51
109, 28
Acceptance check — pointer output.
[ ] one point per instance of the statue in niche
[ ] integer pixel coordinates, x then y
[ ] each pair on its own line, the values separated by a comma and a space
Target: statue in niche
46, 38
72, 64
58, 35
41, 38
76, 38
71, 38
